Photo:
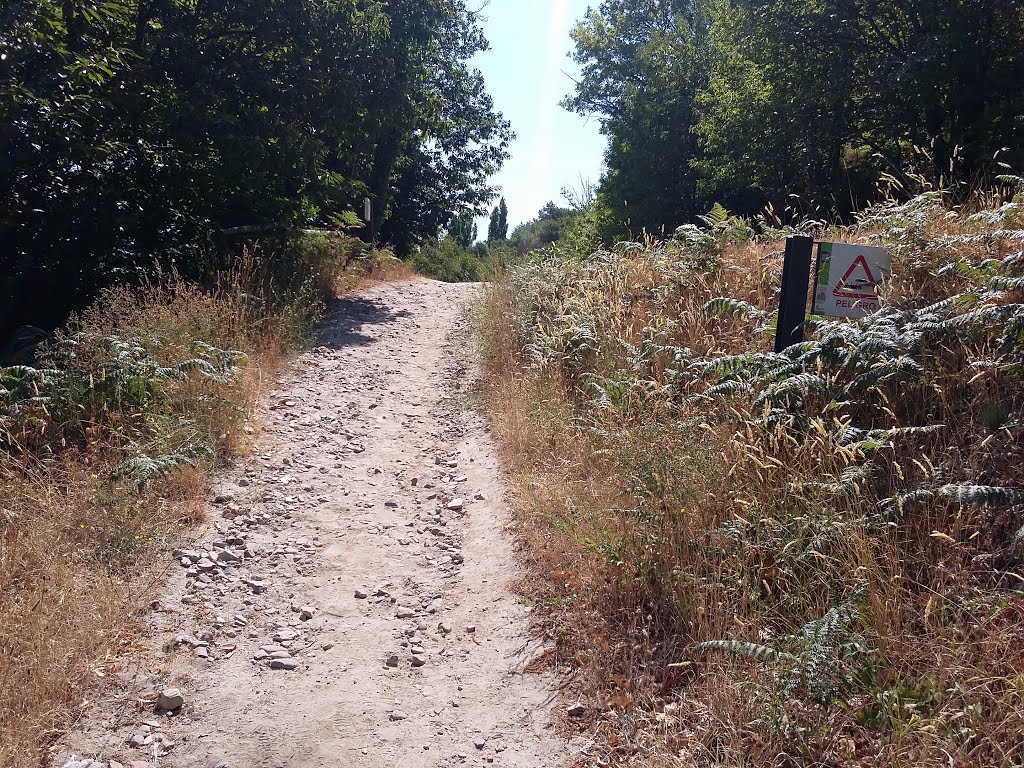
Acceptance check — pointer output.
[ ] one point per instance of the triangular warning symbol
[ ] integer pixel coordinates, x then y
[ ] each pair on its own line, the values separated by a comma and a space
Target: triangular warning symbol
857, 283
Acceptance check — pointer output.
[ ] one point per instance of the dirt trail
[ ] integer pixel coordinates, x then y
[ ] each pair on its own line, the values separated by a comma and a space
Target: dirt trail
373, 499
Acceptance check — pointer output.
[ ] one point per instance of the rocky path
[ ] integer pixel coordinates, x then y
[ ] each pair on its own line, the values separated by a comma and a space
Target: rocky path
348, 603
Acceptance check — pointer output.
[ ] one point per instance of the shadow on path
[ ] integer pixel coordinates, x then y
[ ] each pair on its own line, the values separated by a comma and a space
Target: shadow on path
346, 318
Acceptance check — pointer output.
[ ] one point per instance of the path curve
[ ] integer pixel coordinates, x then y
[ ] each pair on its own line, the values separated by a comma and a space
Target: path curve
369, 520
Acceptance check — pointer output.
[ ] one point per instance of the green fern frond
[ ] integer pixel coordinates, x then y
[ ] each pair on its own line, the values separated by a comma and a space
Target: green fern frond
144, 469
747, 650
724, 305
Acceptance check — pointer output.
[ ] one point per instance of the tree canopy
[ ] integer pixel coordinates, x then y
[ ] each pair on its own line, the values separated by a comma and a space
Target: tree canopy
797, 103
138, 131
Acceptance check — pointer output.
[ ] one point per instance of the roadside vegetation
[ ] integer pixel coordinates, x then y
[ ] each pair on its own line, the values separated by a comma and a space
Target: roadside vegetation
137, 137
107, 440
751, 558
805, 105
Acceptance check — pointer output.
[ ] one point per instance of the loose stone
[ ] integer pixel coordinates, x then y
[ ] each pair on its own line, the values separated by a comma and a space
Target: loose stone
170, 699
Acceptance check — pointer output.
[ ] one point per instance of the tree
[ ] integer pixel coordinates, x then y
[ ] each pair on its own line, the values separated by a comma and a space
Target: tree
463, 229
641, 69
497, 229
138, 132
797, 102
544, 230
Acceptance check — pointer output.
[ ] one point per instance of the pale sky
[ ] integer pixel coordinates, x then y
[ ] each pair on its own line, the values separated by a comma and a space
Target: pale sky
528, 72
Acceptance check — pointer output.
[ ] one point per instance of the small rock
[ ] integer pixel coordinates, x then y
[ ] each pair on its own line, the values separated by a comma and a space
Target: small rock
576, 710
479, 743
455, 504
418, 661
361, 594
306, 613
471, 628
288, 663
392, 660
398, 715
392, 504
444, 628
170, 699
404, 613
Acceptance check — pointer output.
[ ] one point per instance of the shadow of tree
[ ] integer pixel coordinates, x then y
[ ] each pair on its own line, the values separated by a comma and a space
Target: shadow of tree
346, 318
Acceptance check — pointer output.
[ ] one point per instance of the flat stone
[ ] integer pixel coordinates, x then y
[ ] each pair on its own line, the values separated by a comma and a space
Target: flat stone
455, 504
479, 743
444, 628
404, 613
306, 613
288, 663
576, 710
361, 594
398, 715
392, 660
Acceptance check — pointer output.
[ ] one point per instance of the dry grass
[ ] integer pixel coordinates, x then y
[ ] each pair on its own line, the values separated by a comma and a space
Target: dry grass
82, 547
658, 518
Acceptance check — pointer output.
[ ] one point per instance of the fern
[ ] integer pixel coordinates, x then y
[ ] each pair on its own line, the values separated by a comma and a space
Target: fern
819, 660
142, 469
962, 493
724, 305
747, 650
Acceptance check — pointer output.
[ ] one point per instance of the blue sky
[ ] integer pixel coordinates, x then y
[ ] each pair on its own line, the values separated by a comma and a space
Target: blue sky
528, 72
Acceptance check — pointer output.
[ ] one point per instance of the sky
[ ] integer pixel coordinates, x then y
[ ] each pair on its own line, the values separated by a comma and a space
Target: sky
528, 72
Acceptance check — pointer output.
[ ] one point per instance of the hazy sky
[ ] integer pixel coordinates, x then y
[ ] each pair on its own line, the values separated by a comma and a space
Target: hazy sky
527, 73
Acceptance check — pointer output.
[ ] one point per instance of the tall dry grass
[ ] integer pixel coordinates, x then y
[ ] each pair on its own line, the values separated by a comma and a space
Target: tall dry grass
757, 559
106, 449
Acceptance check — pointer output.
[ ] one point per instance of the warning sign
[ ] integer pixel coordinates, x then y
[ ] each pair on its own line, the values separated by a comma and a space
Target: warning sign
847, 279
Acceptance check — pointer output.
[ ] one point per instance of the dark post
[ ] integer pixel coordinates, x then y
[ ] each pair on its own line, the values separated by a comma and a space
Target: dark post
796, 274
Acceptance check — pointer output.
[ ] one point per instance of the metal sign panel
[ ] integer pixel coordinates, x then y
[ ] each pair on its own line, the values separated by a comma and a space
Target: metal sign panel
847, 278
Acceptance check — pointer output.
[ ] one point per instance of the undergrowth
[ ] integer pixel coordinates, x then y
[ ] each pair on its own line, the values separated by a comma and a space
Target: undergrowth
751, 558
106, 441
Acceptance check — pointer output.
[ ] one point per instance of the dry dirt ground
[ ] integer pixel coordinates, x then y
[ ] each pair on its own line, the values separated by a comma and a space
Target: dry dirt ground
347, 603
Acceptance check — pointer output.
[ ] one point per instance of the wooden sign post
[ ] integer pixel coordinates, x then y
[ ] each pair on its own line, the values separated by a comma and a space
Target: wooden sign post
796, 276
